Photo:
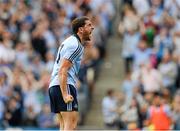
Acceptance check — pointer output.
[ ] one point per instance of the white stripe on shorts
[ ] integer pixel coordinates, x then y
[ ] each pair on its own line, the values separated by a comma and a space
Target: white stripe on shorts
68, 108
70, 104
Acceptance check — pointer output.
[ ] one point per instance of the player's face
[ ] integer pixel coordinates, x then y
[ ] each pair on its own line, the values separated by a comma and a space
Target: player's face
87, 30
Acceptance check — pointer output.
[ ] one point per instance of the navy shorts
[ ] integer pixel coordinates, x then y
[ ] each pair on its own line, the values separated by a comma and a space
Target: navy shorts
56, 100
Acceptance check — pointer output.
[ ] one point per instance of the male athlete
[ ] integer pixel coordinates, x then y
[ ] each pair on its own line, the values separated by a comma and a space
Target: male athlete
62, 88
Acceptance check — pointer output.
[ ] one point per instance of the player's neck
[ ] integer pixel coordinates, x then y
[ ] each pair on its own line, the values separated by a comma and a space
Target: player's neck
79, 36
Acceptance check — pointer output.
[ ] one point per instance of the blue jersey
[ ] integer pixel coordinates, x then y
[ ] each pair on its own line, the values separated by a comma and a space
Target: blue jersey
70, 49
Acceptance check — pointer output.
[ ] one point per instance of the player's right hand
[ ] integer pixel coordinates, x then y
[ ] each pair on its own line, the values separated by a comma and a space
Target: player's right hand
68, 98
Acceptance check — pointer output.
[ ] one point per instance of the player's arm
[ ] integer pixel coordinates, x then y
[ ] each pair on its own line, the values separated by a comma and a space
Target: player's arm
63, 73
71, 52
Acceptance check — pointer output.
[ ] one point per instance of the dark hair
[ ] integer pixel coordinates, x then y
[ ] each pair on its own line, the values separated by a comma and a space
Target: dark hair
109, 92
78, 22
157, 93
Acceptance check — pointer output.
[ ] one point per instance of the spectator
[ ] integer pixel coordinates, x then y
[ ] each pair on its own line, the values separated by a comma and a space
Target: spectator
109, 108
168, 70
99, 36
130, 42
45, 118
141, 6
13, 114
172, 7
24, 35
37, 65
7, 54
30, 87
1, 112
38, 42
50, 60
130, 20
30, 117
130, 116
151, 78
178, 73
163, 42
4, 86
22, 54
176, 111
159, 115
128, 86
142, 54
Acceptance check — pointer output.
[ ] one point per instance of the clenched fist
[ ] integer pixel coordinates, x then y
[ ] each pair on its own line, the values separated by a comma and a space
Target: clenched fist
68, 98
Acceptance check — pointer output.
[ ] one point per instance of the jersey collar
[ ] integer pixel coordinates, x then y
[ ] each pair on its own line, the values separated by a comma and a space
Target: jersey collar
77, 37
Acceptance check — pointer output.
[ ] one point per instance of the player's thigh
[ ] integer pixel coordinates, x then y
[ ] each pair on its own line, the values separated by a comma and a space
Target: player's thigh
70, 117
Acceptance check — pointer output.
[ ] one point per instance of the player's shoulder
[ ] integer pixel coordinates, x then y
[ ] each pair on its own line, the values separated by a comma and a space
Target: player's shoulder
71, 41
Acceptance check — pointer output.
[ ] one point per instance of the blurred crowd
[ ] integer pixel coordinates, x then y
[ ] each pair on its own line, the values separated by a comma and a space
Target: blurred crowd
30, 33
150, 92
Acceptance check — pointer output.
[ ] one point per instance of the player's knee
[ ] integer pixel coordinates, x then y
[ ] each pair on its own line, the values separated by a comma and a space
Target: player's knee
69, 126
74, 124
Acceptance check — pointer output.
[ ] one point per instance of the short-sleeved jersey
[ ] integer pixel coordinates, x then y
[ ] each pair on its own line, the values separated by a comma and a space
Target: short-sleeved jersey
70, 49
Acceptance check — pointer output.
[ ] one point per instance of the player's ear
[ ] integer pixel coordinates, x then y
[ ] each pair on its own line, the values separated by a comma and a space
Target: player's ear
80, 29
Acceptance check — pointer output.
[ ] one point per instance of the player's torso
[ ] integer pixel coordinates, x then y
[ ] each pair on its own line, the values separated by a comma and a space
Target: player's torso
72, 46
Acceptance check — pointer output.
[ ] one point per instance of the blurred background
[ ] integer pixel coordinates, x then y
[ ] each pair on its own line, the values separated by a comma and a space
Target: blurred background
129, 77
